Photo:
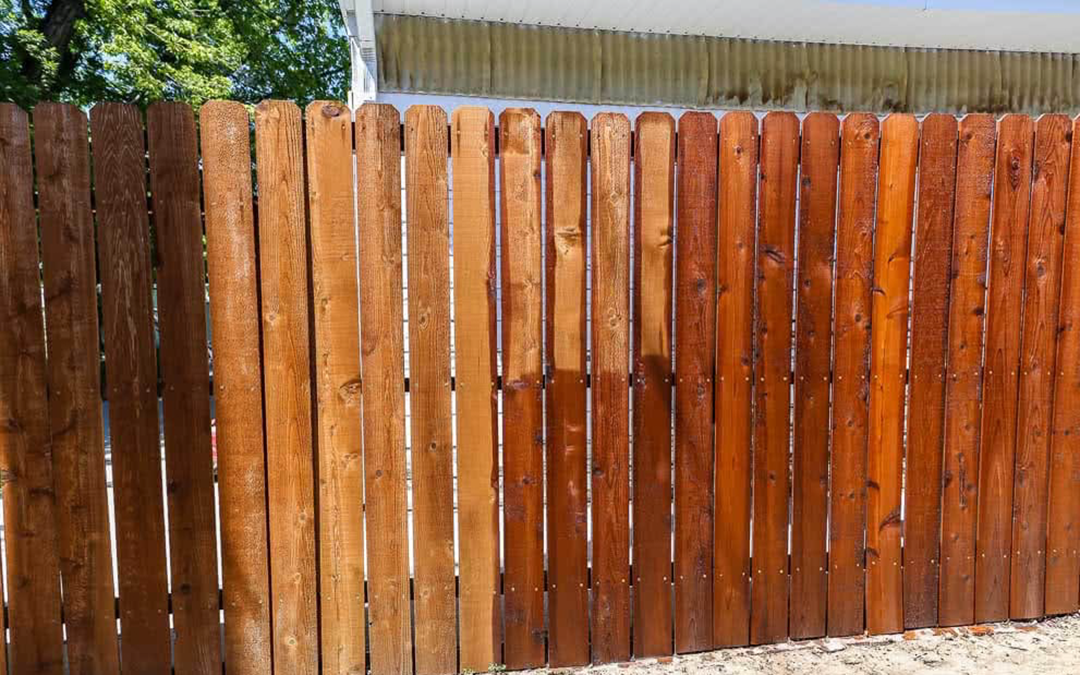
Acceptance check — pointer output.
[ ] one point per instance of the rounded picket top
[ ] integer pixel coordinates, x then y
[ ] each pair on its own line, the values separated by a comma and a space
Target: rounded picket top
425, 115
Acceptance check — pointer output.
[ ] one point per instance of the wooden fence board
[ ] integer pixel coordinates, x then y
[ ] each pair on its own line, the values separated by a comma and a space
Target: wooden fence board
695, 340
929, 339
820, 158
335, 296
234, 318
428, 222
378, 159
523, 395
734, 373
1046, 231
568, 603
33, 564
74, 386
772, 437
654, 223
967, 302
127, 315
851, 345
283, 270
1008, 238
473, 138
1063, 521
611, 388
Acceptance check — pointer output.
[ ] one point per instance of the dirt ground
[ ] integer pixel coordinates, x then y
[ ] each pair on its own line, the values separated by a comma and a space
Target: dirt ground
1040, 648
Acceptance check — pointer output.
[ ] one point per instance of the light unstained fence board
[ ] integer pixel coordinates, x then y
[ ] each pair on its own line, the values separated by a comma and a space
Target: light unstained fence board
695, 339
234, 319
283, 270
1046, 231
654, 200
851, 346
378, 159
33, 564
611, 388
929, 337
473, 140
523, 396
736, 219
131, 375
777, 187
428, 218
1063, 529
967, 303
335, 296
1008, 239
567, 483
820, 159
74, 385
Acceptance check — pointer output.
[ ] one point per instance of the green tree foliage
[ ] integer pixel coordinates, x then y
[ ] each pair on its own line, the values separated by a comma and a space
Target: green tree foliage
83, 51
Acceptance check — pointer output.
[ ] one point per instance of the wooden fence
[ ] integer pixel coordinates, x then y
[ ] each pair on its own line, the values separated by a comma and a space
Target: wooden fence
855, 341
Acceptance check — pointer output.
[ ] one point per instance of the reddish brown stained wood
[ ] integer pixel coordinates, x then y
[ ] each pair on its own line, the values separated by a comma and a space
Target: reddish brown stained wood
967, 302
523, 403
1046, 231
929, 339
378, 158
131, 375
1008, 238
654, 199
283, 270
1063, 528
568, 603
234, 318
772, 369
734, 373
33, 565
611, 388
74, 386
695, 338
851, 346
813, 343
335, 296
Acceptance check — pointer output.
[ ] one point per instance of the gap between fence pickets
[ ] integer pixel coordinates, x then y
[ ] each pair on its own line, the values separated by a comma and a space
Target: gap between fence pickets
543, 142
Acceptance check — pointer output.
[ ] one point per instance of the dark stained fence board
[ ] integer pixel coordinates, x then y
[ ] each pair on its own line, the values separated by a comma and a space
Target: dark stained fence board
820, 159
929, 338
33, 564
654, 199
611, 388
235, 322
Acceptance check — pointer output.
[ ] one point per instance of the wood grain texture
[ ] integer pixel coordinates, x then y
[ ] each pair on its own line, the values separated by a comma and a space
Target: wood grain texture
963, 387
820, 158
74, 384
473, 138
1046, 232
929, 340
851, 346
428, 219
234, 319
777, 185
997, 440
523, 396
567, 483
1063, 517
30, 509
611, 388
335, 304
733, 401
283, 271
378, 159
695, 339
127, 314
654, 229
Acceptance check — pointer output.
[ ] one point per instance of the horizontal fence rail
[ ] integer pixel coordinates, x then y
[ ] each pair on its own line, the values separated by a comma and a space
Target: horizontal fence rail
450, 393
